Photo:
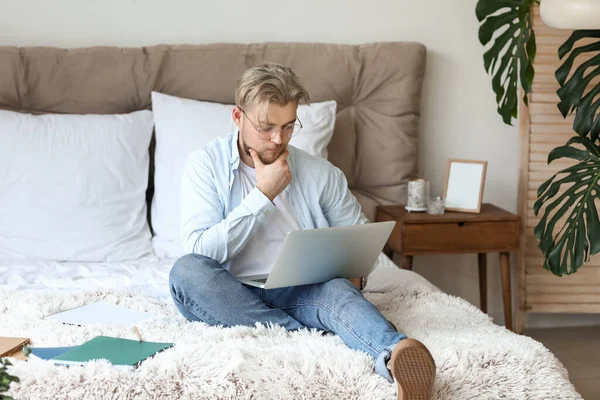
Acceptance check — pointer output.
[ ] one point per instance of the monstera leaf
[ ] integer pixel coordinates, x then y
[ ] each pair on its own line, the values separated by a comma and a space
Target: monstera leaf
570, 196
579, 238
5, 379
512, 53
572, 93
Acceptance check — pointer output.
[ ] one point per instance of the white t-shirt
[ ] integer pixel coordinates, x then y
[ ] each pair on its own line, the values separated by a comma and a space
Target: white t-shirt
263, 247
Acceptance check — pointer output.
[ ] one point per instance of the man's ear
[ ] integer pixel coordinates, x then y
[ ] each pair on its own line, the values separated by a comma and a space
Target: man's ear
236, 115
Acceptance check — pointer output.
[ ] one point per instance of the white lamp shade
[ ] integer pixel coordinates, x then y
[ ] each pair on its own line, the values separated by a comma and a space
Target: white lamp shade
571, 14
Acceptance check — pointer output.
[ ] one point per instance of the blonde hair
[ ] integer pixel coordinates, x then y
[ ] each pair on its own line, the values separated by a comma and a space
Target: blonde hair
268, 83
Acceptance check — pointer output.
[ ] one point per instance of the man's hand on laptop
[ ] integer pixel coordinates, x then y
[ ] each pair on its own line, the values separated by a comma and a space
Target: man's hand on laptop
272, 179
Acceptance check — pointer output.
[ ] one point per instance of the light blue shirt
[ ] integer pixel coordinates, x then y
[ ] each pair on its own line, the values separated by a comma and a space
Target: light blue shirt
217, 223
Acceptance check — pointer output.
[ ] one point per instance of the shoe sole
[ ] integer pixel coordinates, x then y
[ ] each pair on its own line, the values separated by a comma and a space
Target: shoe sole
413, 368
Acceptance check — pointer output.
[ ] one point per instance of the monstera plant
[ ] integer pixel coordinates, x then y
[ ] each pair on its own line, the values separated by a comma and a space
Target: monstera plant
5, 379
568, 232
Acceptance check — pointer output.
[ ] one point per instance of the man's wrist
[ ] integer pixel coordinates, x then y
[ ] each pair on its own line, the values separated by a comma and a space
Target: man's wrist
268, 195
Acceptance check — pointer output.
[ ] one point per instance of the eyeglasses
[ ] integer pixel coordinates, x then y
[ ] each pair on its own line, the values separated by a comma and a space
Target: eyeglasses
289, 131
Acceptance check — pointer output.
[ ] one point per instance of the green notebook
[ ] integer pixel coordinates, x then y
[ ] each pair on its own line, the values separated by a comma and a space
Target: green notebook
122, 352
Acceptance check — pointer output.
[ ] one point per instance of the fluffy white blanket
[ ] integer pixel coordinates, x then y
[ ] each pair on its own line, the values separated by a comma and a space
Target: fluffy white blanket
475, 358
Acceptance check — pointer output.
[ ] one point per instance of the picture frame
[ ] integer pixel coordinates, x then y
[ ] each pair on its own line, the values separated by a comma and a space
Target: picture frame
465, 181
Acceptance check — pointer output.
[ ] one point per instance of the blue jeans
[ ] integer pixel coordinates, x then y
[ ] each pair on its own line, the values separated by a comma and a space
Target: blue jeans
205, 291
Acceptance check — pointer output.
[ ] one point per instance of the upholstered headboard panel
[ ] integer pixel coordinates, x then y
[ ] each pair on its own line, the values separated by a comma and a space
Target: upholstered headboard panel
377, 87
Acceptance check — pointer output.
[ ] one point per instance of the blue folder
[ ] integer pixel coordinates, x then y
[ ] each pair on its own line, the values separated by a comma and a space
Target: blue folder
46, 353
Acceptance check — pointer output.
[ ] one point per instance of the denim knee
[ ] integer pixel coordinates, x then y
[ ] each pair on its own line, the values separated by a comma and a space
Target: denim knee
339, 285
339, 291
190, 266
190, 275
191, 270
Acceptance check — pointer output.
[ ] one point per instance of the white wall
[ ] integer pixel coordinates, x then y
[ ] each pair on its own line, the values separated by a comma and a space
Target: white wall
459, 113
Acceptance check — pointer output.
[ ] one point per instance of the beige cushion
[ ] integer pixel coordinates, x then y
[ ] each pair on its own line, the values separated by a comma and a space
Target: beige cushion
377, 87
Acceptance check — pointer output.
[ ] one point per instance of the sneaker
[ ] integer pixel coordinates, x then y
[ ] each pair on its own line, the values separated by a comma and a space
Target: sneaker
413, 369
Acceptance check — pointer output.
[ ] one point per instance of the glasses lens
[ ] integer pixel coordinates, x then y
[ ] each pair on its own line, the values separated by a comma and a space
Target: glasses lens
296, 129
267, 134
288, 131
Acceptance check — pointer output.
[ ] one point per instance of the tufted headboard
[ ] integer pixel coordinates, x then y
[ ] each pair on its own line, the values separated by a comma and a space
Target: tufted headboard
377, 87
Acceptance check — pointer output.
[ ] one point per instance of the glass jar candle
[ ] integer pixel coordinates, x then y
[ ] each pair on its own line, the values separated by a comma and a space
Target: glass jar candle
436, 206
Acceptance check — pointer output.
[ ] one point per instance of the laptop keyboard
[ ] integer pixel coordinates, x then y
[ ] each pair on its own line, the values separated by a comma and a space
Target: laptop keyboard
262, 280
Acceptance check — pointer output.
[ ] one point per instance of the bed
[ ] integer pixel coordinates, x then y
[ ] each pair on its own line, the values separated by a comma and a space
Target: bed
377, 88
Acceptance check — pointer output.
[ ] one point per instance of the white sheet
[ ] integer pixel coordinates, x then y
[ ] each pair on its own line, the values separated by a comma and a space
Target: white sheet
100, 312
150, 275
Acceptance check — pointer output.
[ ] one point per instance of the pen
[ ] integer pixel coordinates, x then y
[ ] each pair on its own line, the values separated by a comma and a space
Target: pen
137, 333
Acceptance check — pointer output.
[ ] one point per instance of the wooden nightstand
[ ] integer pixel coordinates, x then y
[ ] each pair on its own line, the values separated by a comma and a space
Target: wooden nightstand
493, 230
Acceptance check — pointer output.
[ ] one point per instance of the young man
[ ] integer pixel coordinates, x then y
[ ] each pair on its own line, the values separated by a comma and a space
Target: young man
240, 195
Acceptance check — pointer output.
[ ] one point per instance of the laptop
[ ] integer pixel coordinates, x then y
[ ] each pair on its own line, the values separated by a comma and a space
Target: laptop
319, 255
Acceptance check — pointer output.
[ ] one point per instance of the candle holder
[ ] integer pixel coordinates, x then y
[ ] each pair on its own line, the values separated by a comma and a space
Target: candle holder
418, 195
436, 206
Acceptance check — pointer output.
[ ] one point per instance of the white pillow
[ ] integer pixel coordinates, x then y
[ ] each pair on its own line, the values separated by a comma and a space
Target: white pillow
318, 120
183, 125
72, 187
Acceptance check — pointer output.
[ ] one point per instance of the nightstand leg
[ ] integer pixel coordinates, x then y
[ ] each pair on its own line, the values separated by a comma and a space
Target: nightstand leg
407, 262
505, 269
482, 261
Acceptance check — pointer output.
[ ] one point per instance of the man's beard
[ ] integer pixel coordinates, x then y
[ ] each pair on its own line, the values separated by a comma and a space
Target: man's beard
260, 155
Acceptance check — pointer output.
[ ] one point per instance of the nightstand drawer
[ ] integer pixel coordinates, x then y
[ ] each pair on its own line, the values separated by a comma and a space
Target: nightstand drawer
460, 237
